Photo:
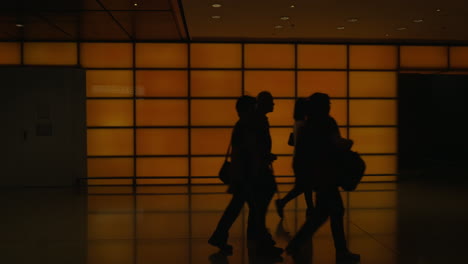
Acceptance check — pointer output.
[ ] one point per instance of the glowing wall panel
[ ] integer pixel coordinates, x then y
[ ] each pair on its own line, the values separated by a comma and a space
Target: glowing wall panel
321, 56
162, 167
381, 164
333, 83
110, 167
161, 55
423, 57
10, 53
45, 53
282, 114
209, 141
110, 142
161, 83
269, 56
216, 83
279, 138
374, 140
373, 112
372, 84
162, 141
215, 55
458, 57
207, 166
151, 112
109, 113
213, 112
106, 83
373, 57
278, 83
106, 55
339, 110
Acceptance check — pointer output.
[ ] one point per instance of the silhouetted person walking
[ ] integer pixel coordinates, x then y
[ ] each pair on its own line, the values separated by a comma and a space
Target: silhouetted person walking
242, 156
299, 122
316, 150
263, 184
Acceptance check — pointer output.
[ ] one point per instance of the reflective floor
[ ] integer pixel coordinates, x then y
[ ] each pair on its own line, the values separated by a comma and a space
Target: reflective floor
386, 223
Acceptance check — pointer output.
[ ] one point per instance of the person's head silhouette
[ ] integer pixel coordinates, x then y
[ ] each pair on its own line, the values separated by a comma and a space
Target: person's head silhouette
245, 106
319, 105
265, 102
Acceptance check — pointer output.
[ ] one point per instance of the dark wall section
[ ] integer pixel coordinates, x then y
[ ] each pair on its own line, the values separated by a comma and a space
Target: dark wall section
433, 111
44, 127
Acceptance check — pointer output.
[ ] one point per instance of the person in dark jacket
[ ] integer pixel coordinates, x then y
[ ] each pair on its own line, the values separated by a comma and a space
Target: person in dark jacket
245, 167
316, 150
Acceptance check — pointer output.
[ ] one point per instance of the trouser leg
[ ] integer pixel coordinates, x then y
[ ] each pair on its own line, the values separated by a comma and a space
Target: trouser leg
230, 215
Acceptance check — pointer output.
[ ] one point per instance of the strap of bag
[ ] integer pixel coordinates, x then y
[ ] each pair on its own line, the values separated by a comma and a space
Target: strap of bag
228, 153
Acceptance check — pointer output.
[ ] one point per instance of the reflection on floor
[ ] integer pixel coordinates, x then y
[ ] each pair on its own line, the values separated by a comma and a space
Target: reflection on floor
166, 225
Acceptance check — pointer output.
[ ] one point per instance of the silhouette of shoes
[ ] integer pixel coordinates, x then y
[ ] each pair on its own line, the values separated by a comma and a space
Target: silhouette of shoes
279, 208
270, 251
224, 247
218, 258
347, 257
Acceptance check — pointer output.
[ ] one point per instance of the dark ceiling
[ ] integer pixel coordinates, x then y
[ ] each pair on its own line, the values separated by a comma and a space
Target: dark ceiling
91, 20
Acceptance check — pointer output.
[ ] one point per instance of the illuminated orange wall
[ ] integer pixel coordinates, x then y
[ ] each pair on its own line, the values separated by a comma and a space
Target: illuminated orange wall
165, 115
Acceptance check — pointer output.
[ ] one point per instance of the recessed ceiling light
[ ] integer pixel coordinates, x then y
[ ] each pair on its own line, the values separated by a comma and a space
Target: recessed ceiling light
353, 20
387, 35
216, 17
438, 10
216, 5
19, 25
284, 18
135, 4
401, 28
292, 6
418, 20
278, 26
340, 28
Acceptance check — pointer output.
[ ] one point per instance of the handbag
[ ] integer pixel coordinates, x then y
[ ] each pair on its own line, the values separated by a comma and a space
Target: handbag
352, 168
225, 172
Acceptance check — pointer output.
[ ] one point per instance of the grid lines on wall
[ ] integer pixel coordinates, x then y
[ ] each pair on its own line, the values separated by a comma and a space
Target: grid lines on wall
162, 113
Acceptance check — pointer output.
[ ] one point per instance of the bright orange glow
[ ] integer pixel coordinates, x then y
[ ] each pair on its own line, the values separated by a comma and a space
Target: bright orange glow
279, 137
338, 111
216, 83
332, 83
278, 83
41, 53
161, 83
373, 112
110, 167
373, 57
269, 56
206, 166
169, 226
106, 55
215, 55
283, 113
206, 141
372, 84
213, 112
161, 55
10, 53
374, 140
321, 56
459, 57
164, 167
103, 83
109, 112
161, 112
377, 179
381, 164
162, 141
112, 142
423, 57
